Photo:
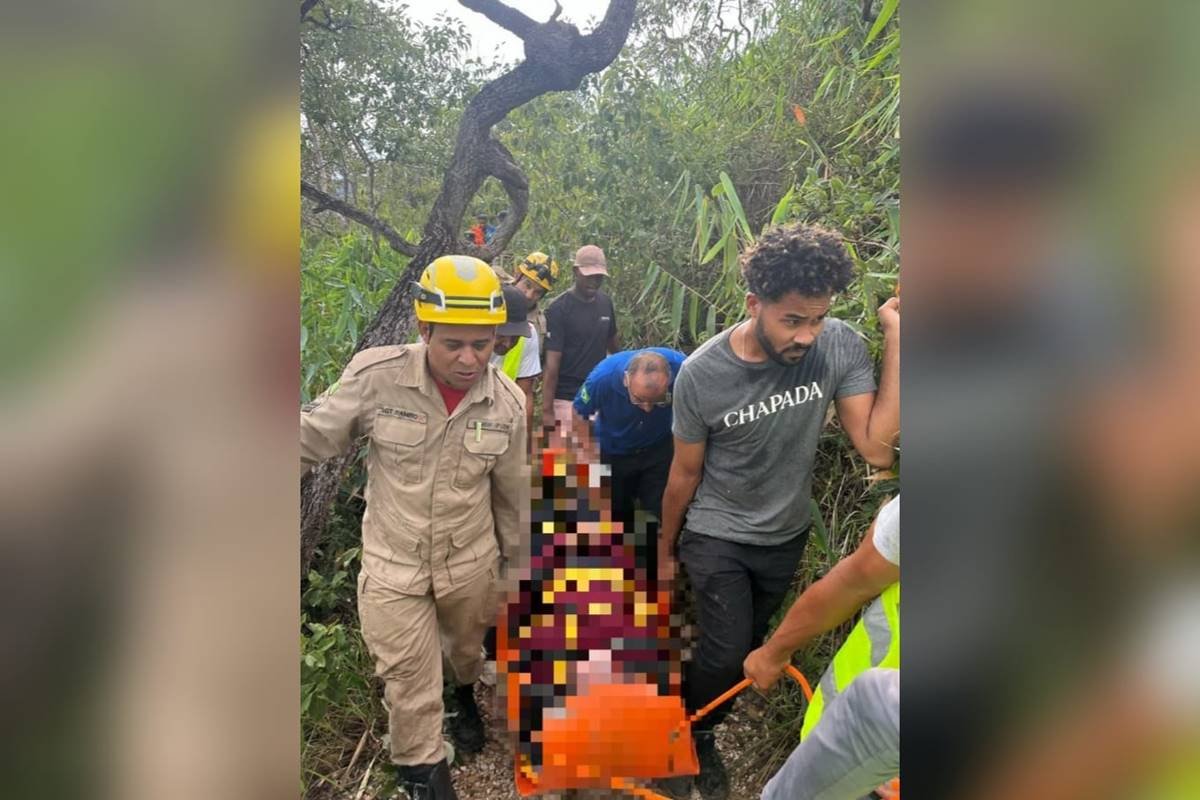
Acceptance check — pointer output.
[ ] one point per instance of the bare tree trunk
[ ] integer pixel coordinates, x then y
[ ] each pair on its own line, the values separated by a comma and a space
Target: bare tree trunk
306, 6
557, 58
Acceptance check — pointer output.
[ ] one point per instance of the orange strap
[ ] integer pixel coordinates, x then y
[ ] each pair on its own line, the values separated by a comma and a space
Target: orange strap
640, 791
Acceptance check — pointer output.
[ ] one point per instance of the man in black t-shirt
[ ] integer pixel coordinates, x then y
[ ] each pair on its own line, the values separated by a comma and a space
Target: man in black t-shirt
581, 329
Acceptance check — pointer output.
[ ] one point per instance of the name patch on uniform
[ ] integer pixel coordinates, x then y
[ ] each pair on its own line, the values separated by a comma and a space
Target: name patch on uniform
489, 425
403, 413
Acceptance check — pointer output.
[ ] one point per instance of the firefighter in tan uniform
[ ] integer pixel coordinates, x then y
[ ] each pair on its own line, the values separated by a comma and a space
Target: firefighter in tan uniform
447, 485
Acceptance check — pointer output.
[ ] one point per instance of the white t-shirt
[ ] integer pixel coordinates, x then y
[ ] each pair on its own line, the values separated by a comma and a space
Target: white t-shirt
1166, 652
531, 360
887, 531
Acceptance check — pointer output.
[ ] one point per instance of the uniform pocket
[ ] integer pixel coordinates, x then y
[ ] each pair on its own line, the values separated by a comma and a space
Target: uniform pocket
399, 442
484, 441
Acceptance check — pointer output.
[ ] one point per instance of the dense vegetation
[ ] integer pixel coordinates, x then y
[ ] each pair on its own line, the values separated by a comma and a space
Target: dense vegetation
708, 127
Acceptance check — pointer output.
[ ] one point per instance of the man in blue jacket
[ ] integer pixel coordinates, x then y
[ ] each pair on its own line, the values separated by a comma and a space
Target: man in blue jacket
628, 396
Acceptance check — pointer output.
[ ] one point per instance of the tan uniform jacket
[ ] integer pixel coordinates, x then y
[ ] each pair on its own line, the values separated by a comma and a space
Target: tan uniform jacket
444, 494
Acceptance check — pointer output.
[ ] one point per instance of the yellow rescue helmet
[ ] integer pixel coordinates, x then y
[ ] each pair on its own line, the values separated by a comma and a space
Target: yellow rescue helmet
539, 268
459, 290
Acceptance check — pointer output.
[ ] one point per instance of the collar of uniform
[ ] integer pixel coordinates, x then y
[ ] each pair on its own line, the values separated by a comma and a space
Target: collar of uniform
416, 374
484, 388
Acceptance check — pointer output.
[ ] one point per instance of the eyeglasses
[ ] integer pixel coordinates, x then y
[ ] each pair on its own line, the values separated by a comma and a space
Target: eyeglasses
664, 403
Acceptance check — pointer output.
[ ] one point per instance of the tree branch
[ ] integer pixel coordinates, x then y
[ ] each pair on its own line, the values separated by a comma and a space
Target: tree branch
557, 58
500, 164
327, 202
306, 6
603, 44
506, 17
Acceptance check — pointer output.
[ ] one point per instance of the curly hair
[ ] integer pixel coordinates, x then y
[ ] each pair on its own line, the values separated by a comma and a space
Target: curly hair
802, 258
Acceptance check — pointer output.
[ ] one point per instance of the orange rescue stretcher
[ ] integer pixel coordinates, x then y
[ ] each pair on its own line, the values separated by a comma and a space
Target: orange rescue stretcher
587, 656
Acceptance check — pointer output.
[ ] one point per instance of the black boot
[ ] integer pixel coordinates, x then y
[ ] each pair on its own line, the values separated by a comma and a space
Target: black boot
466, 726
426, 781
713, 780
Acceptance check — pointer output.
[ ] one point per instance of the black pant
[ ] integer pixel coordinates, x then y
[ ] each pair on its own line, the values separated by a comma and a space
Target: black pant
640, 477
737, 589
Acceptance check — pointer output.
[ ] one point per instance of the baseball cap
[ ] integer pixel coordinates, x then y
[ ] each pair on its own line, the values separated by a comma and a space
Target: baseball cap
517, 309
589, 260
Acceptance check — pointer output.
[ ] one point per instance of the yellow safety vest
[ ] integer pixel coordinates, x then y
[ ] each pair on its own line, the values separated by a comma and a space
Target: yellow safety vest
512, 359
874, 642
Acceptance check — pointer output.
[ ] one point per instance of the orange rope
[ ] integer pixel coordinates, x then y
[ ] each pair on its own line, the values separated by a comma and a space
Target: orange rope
798, 676
621, 784
795, 674
646, 794
730, 692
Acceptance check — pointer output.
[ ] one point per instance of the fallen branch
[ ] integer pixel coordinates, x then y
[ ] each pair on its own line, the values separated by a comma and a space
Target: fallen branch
327, 202
354, 758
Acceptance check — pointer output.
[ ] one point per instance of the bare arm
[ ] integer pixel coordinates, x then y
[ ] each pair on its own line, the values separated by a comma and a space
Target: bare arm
872, 421
852, 583
550, 386
687, 467
855, 414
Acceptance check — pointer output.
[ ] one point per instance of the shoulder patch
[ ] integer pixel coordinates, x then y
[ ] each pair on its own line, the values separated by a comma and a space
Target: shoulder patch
315, 403
584, 395
390, 355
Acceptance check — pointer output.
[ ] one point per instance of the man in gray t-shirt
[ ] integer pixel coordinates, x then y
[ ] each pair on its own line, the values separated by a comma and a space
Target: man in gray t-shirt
759, 423
748, 409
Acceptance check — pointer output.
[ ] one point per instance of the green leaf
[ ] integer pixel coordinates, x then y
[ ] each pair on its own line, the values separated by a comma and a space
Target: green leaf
818, 528
305, 392
703, 224
831, 38
885, 14
781, 208
732, 197
883, 53
826, 82
716, 248
677, 308
651, 276
683, 178
694, 315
